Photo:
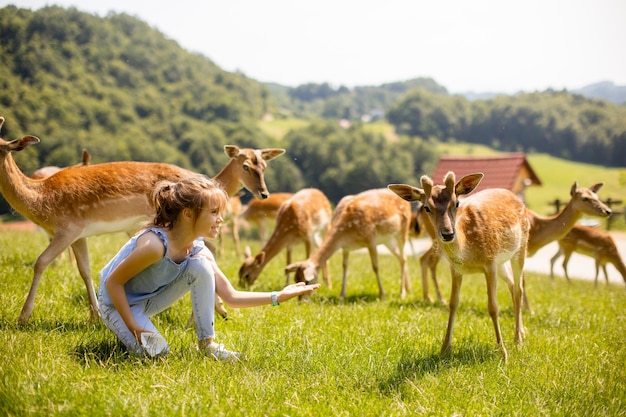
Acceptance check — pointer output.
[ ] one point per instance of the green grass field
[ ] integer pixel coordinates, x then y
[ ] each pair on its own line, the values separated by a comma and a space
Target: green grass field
319, 357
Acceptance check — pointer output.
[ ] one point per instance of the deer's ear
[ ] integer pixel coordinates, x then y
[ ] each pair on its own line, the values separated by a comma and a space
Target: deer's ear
271, 153
467, 184
231, 151
407, 192
259, 258
596, 187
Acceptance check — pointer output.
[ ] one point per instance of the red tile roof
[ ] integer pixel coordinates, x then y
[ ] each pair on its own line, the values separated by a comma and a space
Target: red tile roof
502, 171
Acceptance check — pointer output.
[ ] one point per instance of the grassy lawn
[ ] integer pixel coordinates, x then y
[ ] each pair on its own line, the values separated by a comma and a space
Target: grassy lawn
321, 356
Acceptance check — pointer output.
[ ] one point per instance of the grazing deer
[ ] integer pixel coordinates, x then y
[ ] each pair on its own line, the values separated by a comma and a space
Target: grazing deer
262, 212
487, 232
591, 242
302, 218
78, 202
364, 220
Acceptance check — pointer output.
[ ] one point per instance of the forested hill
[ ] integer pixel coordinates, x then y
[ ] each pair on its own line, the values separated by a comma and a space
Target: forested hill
119, 88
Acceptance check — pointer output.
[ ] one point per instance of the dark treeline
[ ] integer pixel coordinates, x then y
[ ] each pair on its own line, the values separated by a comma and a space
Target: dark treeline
561, 124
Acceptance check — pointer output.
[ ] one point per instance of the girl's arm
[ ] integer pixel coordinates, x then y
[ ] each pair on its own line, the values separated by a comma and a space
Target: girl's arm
243, 299
150, 249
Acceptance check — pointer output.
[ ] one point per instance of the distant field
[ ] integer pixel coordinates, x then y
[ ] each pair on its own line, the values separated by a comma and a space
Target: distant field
557, 175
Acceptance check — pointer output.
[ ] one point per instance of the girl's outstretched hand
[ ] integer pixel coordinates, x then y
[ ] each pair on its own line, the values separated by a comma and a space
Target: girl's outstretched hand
295, 290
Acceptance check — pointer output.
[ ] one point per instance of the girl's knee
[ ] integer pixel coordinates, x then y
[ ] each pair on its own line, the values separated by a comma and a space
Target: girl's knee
199, 268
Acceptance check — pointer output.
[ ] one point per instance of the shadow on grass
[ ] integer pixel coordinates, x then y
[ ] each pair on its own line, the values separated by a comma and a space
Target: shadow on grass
104, 352
46, 325
414, 366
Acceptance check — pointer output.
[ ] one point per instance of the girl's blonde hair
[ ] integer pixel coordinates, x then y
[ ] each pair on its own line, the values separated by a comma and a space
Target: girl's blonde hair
194, 192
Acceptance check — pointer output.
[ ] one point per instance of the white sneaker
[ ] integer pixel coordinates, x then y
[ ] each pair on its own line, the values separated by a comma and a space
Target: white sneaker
219, 353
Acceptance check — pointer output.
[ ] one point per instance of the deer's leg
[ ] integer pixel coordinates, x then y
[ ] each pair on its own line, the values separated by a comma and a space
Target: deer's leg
424, 268
82, 262
457, 280
565, 262
492, 306
432, 263
374, 258
56, 246
595, 280
235, 232
397, 248
606, 275
344, 279
288, 259
552, 261
517, 289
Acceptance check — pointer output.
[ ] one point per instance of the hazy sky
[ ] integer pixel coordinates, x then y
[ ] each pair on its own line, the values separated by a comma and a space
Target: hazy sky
465, 45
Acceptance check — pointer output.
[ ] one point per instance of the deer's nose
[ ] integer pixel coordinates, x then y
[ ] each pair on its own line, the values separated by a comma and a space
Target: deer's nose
447, 237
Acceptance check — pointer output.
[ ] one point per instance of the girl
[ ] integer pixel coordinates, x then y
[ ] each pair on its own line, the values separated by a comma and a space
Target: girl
163, 262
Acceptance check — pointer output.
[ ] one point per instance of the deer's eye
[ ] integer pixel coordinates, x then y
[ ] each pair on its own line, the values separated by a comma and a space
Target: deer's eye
456, 204
427, 209
246, 167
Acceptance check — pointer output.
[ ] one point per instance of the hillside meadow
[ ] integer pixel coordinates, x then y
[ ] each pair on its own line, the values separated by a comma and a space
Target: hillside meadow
316, 357
557, 175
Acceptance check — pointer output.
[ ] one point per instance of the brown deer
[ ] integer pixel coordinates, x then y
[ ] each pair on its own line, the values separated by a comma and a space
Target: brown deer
543, 229
592, 242
429, 259
78, 202
367, 219
301, 219
231, 218
486, 232
261, 213
46, 171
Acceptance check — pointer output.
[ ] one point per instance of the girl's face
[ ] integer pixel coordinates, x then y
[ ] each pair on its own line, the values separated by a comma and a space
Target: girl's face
208, 220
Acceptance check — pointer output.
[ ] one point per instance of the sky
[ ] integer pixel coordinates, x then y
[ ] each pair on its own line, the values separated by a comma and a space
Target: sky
504, 46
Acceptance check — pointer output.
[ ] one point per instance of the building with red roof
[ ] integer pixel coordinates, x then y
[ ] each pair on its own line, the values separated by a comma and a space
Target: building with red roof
510, 171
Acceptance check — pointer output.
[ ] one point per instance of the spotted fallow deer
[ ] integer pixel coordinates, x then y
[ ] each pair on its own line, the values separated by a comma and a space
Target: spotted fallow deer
486, 232
366, 219
262, 213
543, 229
429, 259
303, 218
78, 202
592, 242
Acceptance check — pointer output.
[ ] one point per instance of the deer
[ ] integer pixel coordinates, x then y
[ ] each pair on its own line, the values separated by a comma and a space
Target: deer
300, 219
591, 242
543, 229
366, 219
46, 171
546, 229
429, 259
233, 211
486, 232
262, 212
78, 202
